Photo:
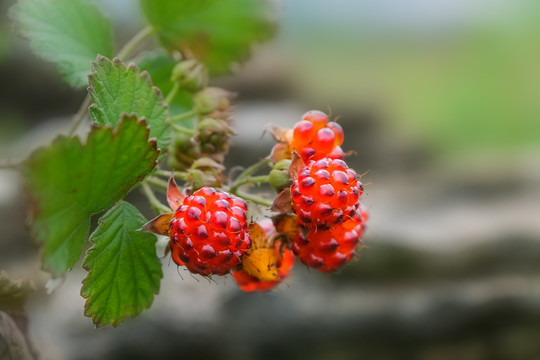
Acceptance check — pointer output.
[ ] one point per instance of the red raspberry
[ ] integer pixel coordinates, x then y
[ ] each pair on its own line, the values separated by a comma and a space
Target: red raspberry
325, 193
329, 249
314, 137
249, 283
209, 232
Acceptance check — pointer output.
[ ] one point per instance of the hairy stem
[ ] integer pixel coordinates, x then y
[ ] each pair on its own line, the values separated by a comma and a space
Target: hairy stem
156, 204
177, 174
183, 116
80, 115
134, 42
156, 182
248, 172
172, 93
253, 198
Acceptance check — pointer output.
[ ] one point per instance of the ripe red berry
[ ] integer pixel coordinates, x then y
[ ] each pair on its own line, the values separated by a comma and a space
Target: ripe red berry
249, 283
209, 232
314, 137
329, 249
325, 193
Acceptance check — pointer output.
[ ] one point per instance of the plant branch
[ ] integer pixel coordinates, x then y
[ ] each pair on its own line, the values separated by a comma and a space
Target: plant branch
253, 198
182, 130
248, 172
156, 182
134, 42
156, 204
80, 115
183, 116
172, 93
177, 174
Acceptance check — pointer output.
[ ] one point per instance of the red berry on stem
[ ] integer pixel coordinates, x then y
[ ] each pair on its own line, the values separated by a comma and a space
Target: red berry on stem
209, 232
329, 249
325, 193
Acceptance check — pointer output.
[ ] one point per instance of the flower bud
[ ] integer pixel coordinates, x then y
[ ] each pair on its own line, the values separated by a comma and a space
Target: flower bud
190, 75
212, 99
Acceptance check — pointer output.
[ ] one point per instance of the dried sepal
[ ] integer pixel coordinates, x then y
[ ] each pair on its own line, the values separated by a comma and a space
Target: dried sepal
283, 202
174, 195
296, 165
286, 224
159, 225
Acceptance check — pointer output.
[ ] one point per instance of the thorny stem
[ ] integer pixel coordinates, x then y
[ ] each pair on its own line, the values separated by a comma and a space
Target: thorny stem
156, 204
123, 54
248, 172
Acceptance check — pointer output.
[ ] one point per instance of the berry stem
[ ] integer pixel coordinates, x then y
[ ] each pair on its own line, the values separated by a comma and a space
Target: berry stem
183, 116
177, 174
182, 129
158, 183
156, 204
80, 115
252, 180
123, 54
172, 93
253, 198
134, 42
248, 172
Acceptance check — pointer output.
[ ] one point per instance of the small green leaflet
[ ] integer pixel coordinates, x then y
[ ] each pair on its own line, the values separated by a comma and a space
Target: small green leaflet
217, 32
69, 33
67, 182
124, 272
119, 89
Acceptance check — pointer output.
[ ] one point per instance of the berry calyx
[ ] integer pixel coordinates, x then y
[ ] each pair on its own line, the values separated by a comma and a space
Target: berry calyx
283, 265
328, 249
325, 193
267, 263
209, 232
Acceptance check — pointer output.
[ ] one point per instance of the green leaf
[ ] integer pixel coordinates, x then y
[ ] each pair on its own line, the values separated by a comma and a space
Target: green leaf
118, 89
14, 293
67, 32
68, 182
216, 32
124, 271
160, 66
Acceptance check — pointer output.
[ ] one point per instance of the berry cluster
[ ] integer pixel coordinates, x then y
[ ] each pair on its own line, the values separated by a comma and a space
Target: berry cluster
320, 217
325, 196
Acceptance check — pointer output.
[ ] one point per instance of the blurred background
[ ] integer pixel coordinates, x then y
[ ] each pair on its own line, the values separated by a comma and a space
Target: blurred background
440, 101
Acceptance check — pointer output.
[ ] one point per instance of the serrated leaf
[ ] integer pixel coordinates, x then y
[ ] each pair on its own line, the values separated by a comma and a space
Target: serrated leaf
124, 271
69, 33
118, 89
67, 182
14, 293
216, 32
160, 65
